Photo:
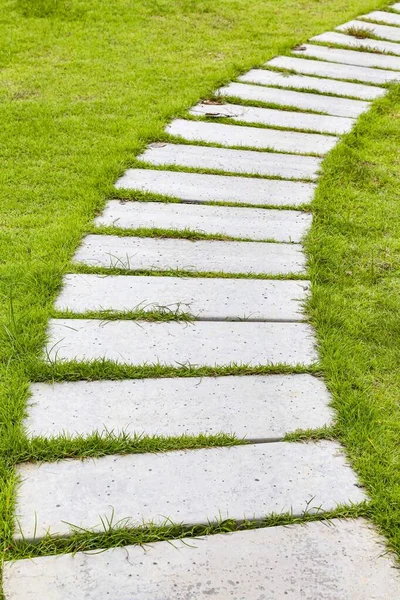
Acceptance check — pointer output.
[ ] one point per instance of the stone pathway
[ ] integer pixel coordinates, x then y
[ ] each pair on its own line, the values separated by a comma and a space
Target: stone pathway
253, 319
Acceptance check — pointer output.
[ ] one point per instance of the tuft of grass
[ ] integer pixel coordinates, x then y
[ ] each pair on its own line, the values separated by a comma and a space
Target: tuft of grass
361, 33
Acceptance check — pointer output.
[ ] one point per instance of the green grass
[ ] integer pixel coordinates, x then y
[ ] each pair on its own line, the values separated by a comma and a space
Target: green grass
84, 85
354, 252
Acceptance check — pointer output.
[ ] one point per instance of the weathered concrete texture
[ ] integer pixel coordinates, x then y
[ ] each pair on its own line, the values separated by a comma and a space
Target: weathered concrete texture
383, 17
197, 188
382, 31
277, 118
352, 57
288, 80
367, 43
252, 162
192, 486
254, 407
342, 107
245, 223
342, 560
338, 71
252, 137
205, 298
155, 254
175, 343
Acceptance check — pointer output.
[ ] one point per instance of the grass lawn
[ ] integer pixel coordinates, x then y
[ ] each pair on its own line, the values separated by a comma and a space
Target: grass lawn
84, 85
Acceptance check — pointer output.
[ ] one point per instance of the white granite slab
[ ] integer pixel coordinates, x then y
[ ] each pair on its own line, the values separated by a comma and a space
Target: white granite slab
207, 299
352, 57
289, 80
381, 31
192, 486
334, 70
345, 559
197, 187
288, 166
245, 223
276, 118
342, 107
252, 137
155, 254
252, 407
341, 39
199, 343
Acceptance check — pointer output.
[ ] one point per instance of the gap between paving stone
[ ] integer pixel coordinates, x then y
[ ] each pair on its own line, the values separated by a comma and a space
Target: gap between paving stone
352, 57
381, 31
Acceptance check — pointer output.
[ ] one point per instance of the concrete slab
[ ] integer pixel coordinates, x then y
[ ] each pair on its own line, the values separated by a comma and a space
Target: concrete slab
157, 254
200, 343
338, 71
343, 560
395, 6
277, 118
252, 407
289, 166
342, 107
352, 57
341, 39
207, 299
288, 80
252, 137
381, 31
197, 188
240, 482
382, 17
245, 223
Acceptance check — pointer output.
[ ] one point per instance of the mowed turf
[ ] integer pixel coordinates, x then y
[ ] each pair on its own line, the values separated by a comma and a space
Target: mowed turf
84, 85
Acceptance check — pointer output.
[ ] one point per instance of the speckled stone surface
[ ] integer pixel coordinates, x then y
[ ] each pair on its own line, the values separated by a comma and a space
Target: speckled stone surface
344, 560
272, 164
203, 256
199, 187
342, 107
243, 223
276, 118
201, 343
192, 486
206, 299
260, 407
252, 137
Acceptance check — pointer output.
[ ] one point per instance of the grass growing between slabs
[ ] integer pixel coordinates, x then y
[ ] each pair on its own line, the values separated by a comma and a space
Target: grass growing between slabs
84, 85
354, 253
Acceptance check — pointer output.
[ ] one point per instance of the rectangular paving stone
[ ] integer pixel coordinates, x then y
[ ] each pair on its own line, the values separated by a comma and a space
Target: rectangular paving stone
197, 187
201, 343
246, 223
342, 107
383, 17
157, 254
288, 80
255, 407
345, 559
381, 31
336, 71
395, 6
277, 118
207, 299
352, 57
252, 137
332, 37
192, 486
271, 164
